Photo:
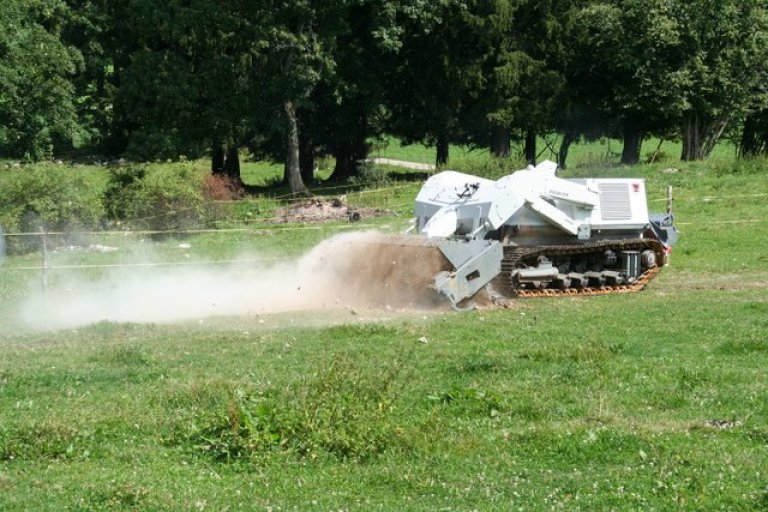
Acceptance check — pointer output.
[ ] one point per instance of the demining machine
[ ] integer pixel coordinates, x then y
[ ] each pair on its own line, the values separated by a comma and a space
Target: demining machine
532, 233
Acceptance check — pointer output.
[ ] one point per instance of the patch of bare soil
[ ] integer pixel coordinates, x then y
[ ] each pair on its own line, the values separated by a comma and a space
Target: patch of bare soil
322, 210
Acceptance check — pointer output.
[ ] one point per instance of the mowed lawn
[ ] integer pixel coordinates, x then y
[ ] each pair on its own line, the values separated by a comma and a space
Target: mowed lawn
651, 401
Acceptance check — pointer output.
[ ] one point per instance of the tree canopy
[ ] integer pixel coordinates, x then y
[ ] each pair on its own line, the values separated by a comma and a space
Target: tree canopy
294, 80
37, 68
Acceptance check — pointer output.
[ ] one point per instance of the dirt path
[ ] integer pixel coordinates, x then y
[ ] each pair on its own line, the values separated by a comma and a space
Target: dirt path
402, 163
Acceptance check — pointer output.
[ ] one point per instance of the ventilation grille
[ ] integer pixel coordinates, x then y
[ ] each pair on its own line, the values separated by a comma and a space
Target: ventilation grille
614, 201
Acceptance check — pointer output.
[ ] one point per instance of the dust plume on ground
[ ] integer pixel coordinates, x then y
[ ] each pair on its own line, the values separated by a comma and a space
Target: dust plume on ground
352, 272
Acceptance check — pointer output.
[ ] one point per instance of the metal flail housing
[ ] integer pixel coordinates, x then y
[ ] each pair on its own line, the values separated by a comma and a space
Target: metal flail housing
533, 233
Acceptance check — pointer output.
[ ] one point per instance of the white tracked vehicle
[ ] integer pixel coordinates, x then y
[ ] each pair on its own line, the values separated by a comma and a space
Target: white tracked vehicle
532, 233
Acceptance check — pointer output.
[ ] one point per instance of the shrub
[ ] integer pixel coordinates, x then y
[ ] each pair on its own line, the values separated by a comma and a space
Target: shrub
46, 197
160, 199
120, 191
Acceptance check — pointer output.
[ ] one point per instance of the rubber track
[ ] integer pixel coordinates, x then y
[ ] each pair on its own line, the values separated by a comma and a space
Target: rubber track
513, 255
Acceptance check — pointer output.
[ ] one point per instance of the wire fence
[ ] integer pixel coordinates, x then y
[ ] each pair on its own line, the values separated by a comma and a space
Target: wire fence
710, 198
255, 227
283, 223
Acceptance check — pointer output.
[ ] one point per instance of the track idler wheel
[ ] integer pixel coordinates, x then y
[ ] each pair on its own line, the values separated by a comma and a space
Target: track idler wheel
648, 259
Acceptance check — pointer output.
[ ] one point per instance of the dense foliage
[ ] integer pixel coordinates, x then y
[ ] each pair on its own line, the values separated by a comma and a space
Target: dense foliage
296, 80
37, 68
40, 199
164, 199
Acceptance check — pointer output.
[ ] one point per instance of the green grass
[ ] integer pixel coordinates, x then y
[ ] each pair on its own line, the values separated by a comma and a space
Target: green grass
649, 401
602, 152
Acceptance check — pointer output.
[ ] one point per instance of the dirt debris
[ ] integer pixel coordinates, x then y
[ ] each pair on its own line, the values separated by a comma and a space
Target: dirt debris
324, 209
374, 270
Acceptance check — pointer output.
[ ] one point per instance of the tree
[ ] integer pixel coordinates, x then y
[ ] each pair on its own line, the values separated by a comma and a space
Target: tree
525, 79
529, 92
174, 78
656, 64
579, 112
349, 101
37, 97
432, 76
182, 82
108, 34
299, 40
627, 54
725, 49
339, 90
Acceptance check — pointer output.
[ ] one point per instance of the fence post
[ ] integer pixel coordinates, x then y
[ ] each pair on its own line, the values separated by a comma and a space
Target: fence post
669, 199
44, 240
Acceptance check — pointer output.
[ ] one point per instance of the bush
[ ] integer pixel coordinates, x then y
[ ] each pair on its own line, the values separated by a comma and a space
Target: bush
160, 199
46, 197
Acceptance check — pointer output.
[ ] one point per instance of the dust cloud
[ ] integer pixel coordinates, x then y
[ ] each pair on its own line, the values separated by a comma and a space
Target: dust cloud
351, 272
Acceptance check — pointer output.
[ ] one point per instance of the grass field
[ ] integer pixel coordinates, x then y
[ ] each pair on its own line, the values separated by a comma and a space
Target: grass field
650, 401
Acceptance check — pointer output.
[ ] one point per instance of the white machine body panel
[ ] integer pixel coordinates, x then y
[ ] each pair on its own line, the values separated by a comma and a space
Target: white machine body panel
452, 203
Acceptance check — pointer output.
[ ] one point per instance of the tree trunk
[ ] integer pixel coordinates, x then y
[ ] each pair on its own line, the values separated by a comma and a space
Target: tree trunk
344, 168
749, 145
712, 136
700, 135
691, 138
292, 172
530, 146
306, 160
754, 137
306, 148
348, 154
500, 142
217, 159
633, 143
562, 153
441, 159
232, 163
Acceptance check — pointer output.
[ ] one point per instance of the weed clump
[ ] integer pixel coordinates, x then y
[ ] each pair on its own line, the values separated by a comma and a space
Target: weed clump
45, 440
343, 412
742, 346
471, 401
